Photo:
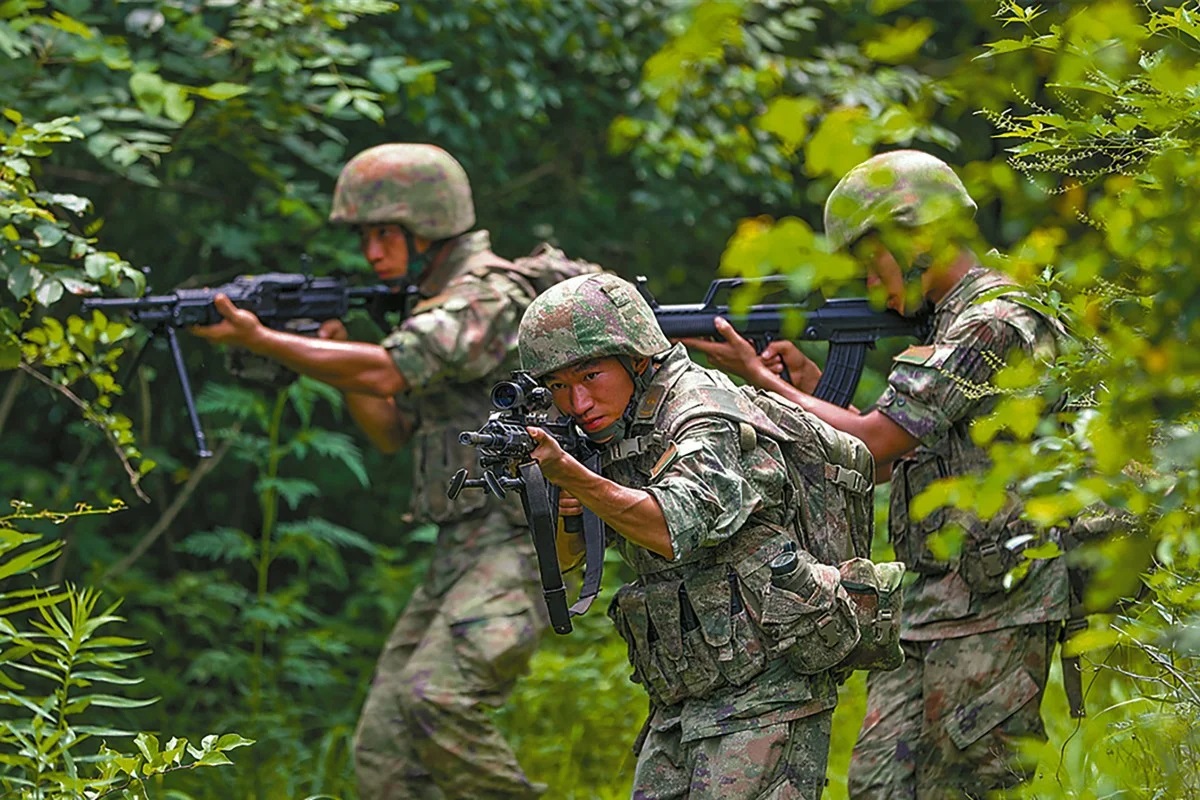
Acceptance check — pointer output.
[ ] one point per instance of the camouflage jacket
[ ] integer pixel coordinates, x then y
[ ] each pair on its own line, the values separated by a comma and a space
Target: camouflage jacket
691, 622
458, 341
935, 391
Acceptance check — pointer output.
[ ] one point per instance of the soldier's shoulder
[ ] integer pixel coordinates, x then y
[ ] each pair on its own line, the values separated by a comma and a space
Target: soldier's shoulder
471, 289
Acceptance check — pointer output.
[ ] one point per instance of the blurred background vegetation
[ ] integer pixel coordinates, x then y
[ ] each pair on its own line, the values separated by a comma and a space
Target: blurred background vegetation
165, 143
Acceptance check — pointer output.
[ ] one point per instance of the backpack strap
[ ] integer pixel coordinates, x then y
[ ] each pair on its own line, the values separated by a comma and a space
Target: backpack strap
850, 479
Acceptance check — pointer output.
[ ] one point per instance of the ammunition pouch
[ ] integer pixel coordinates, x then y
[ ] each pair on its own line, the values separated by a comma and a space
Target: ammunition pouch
875, 594
721, 624
681, 649
990, 549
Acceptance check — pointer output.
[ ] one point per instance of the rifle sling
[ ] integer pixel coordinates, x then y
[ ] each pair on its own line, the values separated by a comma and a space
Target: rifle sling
543, 521
593, 542
1072, 670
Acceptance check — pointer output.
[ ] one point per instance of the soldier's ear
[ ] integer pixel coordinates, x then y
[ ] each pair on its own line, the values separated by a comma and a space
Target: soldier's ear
640, 364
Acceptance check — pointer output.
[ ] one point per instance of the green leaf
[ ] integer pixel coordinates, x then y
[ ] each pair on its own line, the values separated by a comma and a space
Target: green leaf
49, 293
341, 447
901, 43
147, 743
29, 560
176, 105
1091, 639
213, 759
49, 235
232, 741
787, 118
222, 90
109, 701
324, 531
70, 25
21, 280
148, 88
10, 354
834, 148
225, 545
290, 490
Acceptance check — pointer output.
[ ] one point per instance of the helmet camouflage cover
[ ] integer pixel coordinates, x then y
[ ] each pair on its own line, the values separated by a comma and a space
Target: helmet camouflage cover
585, 317
420, 187
907, 188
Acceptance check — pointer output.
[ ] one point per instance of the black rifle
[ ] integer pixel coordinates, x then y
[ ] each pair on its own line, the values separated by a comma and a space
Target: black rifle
504, 447
276, 298
850, 325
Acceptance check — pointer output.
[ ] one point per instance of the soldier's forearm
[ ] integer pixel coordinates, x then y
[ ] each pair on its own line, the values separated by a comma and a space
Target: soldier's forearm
387, 428
357, 367
632, 513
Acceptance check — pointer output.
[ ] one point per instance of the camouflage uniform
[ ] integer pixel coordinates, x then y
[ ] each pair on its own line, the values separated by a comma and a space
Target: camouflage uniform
471, 627
730, 717
977, 656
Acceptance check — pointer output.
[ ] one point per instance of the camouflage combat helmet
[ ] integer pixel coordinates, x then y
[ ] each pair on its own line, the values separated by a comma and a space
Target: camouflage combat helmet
907, 188
420, 187
588, 316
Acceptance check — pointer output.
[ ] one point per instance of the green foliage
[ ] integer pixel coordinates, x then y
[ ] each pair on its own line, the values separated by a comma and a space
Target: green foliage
59, 665
1097, 102
1115, 137
573, 720
262, 608
203, 141
757, 96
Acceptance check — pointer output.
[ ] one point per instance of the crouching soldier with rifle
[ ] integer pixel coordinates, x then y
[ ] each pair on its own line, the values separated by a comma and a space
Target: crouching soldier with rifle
697, 497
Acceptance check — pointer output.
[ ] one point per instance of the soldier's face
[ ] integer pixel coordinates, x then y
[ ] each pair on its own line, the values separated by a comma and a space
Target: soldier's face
385, 249
884, 277
593, 393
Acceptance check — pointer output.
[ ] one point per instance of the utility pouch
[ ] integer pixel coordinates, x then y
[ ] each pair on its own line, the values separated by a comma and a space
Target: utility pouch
700, 671
875, 595
991, 550
908, 536
668, 642
437, 455
731, 636
814, 630
631, 615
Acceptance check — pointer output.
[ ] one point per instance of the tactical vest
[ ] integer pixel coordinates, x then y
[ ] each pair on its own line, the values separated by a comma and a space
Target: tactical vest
714, 618
442, 415
991, 547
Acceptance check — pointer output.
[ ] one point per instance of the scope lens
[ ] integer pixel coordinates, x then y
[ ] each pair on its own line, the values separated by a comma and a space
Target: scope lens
506, 395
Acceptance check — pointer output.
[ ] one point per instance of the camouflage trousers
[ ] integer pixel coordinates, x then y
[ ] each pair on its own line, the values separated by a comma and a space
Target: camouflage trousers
782, 761
426, 731
945, 723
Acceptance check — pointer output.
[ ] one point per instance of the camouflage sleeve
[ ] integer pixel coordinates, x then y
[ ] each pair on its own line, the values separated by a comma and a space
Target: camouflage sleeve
708, 487
931, 387
468, 333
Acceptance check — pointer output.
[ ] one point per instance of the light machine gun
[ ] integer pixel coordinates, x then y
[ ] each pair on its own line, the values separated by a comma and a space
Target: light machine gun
505, 447
281, 300
850, 325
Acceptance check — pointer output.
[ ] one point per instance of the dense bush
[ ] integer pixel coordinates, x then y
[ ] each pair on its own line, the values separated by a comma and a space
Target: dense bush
675, 139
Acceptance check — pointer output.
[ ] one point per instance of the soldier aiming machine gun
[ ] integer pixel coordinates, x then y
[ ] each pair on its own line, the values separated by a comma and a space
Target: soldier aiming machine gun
850, 325
281, 300
505, 448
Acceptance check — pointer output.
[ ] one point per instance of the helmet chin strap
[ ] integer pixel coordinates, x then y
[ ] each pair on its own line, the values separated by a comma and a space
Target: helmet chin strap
619, 429
417, 262
912, 275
